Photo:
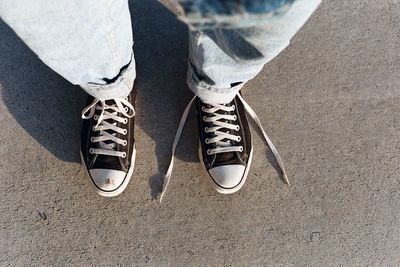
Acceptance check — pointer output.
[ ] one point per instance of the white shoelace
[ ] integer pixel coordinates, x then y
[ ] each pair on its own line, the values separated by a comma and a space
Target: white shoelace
219, 122
216, 119
109, 112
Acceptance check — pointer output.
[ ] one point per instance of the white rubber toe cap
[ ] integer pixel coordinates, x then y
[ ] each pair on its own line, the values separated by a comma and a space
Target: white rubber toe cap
227, 176
107, 180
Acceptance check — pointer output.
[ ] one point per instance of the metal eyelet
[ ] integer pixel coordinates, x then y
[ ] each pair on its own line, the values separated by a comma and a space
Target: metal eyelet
124, 143
125, 131
209, 152
95, 117
237, 128
94, 128
126, 109
206, 129
123, 155
91, 151
207, 141
205, 118
234, 117
234, 107
241, 149
239, 139
92, 139
125, 121
203, 109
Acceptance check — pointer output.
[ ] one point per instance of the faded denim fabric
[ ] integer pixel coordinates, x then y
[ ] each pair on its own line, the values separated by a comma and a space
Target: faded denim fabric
208, 8
222, 60
90, 42
201, 14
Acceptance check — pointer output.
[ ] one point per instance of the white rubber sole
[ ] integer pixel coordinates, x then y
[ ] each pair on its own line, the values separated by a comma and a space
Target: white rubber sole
218, 188
122, 187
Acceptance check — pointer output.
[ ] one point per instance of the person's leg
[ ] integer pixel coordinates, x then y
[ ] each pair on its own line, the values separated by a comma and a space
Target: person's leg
89, 43
222, 60
229, 43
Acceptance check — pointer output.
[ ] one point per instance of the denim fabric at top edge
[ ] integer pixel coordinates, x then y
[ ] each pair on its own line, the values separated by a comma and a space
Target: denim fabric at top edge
230, 13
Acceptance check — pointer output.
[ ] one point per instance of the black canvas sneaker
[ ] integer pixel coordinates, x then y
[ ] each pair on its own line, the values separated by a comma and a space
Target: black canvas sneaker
107, 143
225, 148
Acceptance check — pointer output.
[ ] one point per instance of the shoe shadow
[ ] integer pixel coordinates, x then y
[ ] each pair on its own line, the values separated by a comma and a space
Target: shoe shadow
45, 105
161, 52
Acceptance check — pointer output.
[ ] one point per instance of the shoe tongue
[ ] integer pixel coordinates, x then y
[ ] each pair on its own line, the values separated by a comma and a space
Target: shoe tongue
110, 102
110, 162
225, 158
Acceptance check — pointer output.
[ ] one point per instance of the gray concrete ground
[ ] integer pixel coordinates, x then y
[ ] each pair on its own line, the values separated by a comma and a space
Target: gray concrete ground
331, 103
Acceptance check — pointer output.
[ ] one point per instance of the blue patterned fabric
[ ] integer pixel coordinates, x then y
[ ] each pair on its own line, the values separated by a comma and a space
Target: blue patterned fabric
230, 13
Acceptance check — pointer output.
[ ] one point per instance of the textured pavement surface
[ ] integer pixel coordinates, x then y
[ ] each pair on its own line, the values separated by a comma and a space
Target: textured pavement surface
330, 102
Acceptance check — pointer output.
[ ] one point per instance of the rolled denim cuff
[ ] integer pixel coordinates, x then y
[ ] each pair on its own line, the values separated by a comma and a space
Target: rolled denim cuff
120, 87
208, 93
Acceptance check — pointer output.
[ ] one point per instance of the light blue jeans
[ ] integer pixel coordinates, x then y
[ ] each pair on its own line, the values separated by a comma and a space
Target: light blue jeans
89, 42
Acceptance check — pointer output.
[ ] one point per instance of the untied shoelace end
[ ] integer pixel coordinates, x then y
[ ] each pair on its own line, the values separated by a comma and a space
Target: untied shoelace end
167, 176
253, 115
278, 158
286, 179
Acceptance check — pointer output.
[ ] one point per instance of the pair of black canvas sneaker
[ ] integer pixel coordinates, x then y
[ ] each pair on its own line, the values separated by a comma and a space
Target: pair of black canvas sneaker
108, 144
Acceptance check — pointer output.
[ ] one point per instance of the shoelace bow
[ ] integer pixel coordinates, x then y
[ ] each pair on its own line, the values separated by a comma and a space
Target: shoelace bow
113, 113
222, 147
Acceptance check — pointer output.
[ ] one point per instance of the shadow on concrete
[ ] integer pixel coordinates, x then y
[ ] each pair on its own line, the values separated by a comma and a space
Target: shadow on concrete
48, 107
161, 50
42, 102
